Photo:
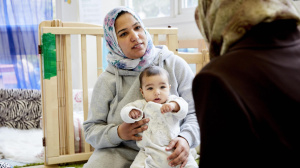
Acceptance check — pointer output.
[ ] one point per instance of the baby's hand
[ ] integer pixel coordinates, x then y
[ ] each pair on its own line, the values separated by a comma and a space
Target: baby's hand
168, 107
134, 114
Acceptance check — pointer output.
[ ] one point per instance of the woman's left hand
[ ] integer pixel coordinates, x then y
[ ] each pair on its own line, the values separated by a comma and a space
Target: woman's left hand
181, 152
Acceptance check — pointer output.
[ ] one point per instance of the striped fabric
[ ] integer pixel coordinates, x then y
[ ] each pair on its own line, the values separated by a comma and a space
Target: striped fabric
20, 108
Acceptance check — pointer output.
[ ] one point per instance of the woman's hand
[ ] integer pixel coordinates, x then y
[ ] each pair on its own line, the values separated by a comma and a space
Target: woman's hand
127, 131
181, 152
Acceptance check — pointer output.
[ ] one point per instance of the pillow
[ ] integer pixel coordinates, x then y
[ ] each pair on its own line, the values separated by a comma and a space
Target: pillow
78, 118
78, 99
78, 131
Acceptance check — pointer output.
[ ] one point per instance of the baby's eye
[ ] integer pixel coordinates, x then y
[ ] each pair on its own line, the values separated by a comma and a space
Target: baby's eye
150, 88
163, 87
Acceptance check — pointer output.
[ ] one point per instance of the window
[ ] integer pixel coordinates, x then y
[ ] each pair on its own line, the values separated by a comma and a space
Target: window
150, 9
189, 3
19, 63
162, 12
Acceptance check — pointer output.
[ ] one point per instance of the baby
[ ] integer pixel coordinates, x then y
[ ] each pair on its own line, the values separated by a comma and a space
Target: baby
164, 110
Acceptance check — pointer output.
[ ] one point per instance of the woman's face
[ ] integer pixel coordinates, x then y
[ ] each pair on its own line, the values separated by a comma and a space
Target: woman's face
131, 36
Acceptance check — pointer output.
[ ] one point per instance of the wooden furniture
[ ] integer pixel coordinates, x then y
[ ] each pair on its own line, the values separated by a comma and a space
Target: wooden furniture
57, 105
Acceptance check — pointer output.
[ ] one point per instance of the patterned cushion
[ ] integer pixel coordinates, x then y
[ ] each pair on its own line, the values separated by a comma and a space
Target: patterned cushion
4, 165
20, 108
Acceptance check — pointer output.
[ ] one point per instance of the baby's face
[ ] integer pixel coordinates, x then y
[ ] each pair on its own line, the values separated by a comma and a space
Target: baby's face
155, 88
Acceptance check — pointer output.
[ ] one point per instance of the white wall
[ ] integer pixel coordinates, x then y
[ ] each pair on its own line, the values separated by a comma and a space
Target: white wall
297, 3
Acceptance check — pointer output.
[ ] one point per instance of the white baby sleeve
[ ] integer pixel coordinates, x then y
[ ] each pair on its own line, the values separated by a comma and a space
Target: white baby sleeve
126, 110
184, 106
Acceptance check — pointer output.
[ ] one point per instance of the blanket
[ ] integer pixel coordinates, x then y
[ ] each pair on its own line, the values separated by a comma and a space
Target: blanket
21, 145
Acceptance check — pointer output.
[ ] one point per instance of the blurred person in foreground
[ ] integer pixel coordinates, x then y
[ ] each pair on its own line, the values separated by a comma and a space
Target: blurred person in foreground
247, 98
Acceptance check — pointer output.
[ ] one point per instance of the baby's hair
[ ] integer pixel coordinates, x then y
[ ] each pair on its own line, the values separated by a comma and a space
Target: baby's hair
152, 71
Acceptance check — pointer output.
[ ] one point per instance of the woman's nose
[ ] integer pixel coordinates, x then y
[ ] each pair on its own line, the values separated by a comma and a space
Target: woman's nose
134, 36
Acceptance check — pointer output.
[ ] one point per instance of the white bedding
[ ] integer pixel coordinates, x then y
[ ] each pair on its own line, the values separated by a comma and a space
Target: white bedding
26, 145
21, 145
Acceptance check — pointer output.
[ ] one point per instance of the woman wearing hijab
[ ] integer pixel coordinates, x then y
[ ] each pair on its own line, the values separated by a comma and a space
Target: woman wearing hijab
131, 50
248, 97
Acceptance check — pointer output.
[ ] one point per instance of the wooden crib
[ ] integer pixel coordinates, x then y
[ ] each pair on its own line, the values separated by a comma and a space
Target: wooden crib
57, 105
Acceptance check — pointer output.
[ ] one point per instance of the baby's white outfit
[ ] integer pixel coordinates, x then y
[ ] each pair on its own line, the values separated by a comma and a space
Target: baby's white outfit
162, 128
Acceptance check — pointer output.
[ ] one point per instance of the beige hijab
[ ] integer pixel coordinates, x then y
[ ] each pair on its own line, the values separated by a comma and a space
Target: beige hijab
223, 22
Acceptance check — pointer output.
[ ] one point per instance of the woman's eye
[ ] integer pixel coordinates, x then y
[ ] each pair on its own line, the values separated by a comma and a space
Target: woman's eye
123, 34
138, 27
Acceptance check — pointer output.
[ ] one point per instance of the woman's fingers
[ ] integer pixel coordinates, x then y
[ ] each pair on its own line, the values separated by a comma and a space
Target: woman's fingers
124, 131
128, 131
181, 152
171, 145
136, 138
179, 159
184, 163
140, 123
138, 127
175, 154
139, 130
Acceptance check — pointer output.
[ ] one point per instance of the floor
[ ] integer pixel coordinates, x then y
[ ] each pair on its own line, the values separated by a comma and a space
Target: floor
43, 166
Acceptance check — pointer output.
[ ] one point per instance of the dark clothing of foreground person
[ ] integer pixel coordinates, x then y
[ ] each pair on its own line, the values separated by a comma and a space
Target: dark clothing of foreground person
248, 97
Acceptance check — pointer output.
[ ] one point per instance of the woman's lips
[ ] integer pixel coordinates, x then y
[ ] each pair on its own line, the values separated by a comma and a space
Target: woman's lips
137, 46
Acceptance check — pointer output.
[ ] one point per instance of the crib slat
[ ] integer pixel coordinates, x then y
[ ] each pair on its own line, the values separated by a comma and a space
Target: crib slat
162, 31
73, 30
99, 54
84, 84
84, 73
155, 39
172, 42
69, 158
69, 96
42, 24
61, 93
50, 109
51, 116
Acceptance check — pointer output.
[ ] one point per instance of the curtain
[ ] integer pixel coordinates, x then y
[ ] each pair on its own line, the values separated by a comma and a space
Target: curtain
19, 61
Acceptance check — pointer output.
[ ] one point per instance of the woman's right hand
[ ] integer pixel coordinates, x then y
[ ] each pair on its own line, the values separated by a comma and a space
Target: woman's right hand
128, 131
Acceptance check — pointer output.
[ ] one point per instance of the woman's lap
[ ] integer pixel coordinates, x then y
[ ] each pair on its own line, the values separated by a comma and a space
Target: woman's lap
111, 157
